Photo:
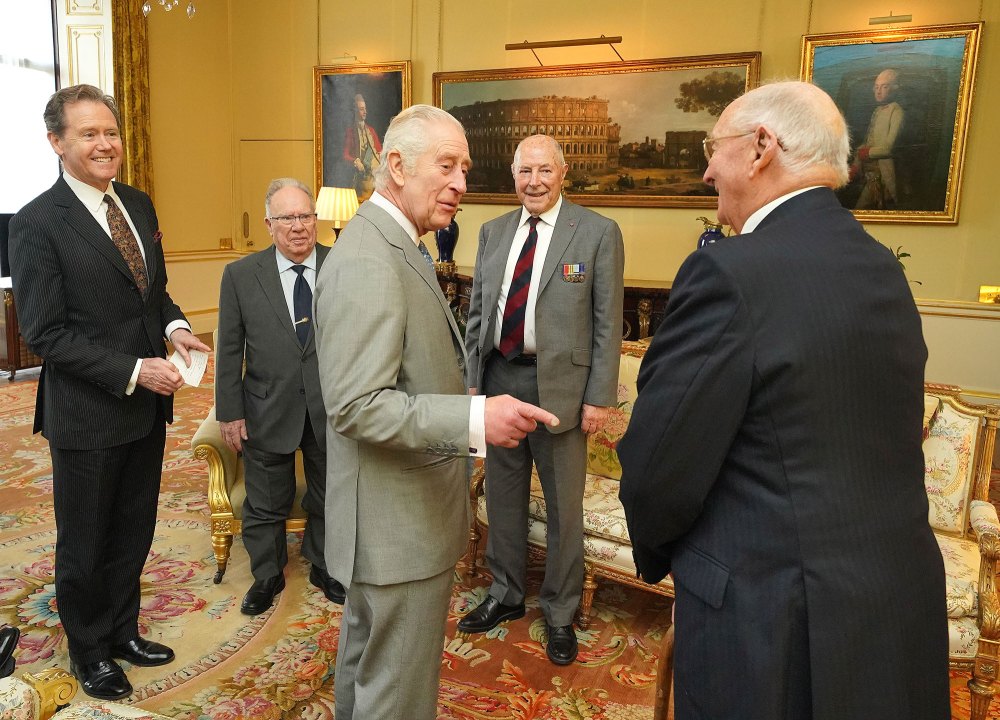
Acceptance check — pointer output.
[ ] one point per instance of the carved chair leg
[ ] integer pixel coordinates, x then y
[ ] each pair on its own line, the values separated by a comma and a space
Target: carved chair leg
664, 676
472, 558
221, 545
982, 686
587, 599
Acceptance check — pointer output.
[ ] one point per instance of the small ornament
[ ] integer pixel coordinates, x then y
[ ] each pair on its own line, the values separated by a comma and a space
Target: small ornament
712, 233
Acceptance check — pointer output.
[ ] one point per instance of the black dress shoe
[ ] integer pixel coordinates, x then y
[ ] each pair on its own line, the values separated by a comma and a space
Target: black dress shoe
8, 644
104, 679
489, 613
261, 594
333, 590
561, 646
144, 653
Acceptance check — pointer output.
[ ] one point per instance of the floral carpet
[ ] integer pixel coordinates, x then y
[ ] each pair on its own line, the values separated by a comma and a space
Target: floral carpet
280, 664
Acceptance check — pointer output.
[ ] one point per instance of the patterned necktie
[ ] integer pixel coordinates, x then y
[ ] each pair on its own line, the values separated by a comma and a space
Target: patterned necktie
128, 246
427, 256
512, 330
302, 300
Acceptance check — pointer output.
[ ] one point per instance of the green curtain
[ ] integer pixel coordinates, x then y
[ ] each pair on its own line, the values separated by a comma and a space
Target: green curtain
131, 63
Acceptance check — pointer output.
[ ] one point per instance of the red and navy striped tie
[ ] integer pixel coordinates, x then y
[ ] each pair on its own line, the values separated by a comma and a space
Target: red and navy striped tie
512, 331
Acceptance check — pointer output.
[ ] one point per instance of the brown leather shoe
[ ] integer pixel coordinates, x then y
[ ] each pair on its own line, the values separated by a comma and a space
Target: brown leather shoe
488, 614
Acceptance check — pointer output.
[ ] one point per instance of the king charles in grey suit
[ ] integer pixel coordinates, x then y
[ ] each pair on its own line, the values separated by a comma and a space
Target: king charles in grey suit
400, 424
564, 356
773, 460
267, 393
91, 289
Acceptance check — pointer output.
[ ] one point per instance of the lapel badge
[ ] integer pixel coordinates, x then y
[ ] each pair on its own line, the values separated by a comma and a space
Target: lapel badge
573, 272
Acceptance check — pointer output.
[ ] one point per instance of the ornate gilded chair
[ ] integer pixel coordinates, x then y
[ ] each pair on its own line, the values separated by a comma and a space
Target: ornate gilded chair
227, 491
958, 454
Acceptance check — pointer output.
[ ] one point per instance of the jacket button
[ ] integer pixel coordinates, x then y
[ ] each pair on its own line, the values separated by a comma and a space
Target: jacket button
302, 391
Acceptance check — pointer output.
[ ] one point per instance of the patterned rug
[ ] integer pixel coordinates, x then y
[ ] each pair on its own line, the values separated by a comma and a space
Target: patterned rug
280, 664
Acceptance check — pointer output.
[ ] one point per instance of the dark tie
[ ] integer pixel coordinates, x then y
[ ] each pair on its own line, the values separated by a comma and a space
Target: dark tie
302, 301
128, 246
512, 330
427, 256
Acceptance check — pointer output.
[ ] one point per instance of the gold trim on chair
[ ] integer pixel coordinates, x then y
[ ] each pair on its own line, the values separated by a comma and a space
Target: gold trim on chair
55, 688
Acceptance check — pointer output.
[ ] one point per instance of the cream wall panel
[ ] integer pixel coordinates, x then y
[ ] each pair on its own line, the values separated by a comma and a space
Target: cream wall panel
84, 32
963, 341
191, 126
194, 285
260, 162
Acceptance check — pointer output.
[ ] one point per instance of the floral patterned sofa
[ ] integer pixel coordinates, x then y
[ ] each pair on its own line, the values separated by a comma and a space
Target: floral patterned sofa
958, 454
48, 695
607, 549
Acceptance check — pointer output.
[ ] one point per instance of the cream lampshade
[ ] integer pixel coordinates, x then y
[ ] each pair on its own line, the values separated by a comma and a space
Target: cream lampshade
337, 204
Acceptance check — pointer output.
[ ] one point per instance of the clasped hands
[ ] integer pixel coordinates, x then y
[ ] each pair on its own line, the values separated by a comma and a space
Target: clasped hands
159, 374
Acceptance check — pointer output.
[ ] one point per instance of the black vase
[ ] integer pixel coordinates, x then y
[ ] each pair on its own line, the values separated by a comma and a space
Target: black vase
446, 239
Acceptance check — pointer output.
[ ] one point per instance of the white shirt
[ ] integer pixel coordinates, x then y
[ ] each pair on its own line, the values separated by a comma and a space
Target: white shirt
477, 411
544, 228
93, 200
288, 276
758, 216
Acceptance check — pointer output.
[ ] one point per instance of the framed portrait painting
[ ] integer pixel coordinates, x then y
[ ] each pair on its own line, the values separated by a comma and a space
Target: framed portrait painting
631, 132
353, 105
906, 95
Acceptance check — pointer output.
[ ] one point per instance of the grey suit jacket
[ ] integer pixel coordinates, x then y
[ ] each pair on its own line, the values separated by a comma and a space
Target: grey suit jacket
578, 325
391, 364
282, 378
81, 311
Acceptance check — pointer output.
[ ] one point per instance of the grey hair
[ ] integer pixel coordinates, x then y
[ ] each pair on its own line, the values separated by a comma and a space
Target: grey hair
407, 135
805, 119
55, 108
556, 150
284, 182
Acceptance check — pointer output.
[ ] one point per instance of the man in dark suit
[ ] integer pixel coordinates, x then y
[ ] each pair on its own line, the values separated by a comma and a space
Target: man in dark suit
275, 407
400, 424
551, 336
773, 460
91, 289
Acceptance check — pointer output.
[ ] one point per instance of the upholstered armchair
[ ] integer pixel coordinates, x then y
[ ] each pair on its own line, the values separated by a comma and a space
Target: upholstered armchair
958, 454
226, 489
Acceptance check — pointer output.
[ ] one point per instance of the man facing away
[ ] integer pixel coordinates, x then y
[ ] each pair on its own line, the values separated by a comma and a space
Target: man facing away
91, 287
545, 323
400, 424
275, 407
773, 460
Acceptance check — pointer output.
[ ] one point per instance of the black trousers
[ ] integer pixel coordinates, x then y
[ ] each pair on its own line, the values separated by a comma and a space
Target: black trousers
105, 508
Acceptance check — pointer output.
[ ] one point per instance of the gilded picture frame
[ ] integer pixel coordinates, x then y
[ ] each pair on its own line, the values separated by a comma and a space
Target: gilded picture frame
907, 97
345, 146
631, 131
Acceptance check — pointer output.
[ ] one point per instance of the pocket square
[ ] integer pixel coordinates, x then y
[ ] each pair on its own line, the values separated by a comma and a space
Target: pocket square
157, 236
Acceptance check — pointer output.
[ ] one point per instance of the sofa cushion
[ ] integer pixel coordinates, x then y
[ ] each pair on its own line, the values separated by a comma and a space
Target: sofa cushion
601, 456
948, 453
963, 637
18, 700
961, 569
932, 403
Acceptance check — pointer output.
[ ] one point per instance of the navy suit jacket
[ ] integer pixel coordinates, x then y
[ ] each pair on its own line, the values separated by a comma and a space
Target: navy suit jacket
773, 463
80, 310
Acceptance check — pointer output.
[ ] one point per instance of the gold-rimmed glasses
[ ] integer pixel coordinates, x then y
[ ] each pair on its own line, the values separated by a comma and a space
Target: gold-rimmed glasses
306, 219
708, 142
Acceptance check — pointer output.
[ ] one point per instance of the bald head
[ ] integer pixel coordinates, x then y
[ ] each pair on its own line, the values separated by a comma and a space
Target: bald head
784, 136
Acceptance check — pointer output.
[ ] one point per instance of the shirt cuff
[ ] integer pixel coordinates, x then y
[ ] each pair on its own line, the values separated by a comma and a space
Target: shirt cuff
174, 325
477, 426
130, 388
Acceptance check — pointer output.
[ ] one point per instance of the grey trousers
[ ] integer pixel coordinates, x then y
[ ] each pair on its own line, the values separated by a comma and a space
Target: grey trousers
389, 655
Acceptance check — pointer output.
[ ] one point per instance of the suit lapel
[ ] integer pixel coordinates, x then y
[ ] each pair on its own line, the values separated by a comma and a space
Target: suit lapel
562, 234
270, 283
396, 236
86, 226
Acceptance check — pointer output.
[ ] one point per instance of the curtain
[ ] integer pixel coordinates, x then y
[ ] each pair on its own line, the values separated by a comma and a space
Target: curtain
130, 49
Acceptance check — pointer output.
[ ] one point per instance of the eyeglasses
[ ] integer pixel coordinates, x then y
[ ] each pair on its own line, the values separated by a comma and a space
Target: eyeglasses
307, 220
708, 143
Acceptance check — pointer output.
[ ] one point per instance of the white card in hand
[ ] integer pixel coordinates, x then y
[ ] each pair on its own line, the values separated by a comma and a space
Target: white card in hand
192, 375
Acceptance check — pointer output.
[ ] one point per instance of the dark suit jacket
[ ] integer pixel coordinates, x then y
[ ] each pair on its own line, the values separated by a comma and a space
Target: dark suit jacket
81, 311
773, 463
282, 380
578, 325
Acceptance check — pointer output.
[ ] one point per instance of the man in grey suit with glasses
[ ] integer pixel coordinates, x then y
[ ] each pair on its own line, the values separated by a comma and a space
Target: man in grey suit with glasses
400, 424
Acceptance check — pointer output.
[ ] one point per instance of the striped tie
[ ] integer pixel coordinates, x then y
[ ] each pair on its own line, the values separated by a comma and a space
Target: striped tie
512, 331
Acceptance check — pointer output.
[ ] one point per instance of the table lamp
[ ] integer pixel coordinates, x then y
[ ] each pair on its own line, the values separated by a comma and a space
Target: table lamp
337, 204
